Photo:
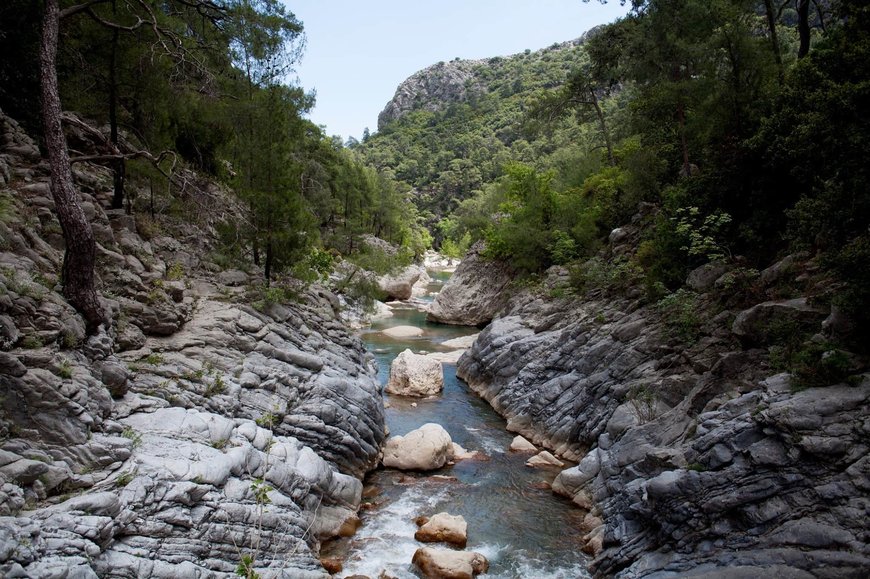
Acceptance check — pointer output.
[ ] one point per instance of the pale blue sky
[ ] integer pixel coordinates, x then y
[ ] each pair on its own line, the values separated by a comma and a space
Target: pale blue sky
359, 51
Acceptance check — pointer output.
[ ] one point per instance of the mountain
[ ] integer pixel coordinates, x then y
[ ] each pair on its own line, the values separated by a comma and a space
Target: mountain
451, 127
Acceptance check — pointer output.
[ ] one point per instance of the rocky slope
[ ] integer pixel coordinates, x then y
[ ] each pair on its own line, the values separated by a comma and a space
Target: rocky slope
696, 457
438, 86
195, 431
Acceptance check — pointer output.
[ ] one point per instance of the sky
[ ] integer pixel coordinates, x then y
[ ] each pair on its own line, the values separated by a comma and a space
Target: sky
358, 52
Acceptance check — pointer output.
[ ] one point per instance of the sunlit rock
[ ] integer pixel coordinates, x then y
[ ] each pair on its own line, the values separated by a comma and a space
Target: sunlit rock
443, 528
449, 564
427, 448
415, 375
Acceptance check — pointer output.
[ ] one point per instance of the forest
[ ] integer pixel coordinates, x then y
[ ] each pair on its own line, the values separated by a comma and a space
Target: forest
739, 121
203, 85
740, 124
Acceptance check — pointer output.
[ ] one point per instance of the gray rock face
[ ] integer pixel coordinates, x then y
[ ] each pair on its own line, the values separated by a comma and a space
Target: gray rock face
401, 285
693, 461
474, 294
760, 323
432, 89
196, 430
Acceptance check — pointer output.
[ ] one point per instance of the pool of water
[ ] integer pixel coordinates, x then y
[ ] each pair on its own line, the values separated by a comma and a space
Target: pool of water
513, 518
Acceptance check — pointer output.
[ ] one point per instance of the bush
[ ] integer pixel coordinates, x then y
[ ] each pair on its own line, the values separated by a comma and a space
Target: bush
681, 313
609, 276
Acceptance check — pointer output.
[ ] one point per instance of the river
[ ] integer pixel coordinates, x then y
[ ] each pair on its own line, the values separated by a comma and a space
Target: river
523, 529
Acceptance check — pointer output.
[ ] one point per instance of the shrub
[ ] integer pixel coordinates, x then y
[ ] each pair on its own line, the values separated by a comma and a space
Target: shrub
682, 318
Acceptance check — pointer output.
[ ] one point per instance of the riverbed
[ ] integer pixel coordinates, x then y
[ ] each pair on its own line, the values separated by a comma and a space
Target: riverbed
514, 519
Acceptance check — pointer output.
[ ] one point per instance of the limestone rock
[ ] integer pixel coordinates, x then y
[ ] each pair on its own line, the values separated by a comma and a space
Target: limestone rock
426, 448
444, 528
474, 294
520, 444
398, 332
400, 285
762, 324
415, 375
449, 564
544, 459
233, 277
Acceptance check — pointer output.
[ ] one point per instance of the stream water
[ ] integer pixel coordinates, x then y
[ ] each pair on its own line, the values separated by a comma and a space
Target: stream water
513, 518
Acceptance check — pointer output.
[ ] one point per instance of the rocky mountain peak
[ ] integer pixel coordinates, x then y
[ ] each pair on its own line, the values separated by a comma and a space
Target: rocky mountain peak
445, 83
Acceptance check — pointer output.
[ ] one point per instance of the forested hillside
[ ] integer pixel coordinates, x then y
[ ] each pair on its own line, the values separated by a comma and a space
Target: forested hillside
165, 87
739, 123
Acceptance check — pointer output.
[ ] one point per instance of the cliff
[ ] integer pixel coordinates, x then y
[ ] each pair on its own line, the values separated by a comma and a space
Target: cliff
697, 455
206, 427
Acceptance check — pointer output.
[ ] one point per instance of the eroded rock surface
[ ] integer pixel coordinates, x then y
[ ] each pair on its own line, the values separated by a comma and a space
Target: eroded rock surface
474, 293
193, 431
695, 457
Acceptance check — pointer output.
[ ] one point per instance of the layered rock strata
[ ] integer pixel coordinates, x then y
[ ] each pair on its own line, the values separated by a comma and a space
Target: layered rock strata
695, 456
193, 433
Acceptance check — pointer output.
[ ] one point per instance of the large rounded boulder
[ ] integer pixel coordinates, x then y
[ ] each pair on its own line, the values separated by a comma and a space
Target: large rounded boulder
415, 375
426, 448
449, 564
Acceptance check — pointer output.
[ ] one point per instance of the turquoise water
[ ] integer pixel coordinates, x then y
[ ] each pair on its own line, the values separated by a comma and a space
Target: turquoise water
513, 518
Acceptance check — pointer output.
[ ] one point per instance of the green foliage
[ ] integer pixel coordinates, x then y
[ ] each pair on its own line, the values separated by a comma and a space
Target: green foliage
32, 342
315, 266
703, 235
643, 403
65, 370
175, 272
134, 437
850, 266
125, 478
218, 386
154, 359
611, 277
682, 315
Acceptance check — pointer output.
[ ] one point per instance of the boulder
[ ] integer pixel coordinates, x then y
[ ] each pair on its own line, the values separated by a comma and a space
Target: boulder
415, 375
475, 293
702, 278
233, 277
443, 528
116, 377
544, 459
403, 332
767, 322
520, 444
426, 448
400, 286
449, 564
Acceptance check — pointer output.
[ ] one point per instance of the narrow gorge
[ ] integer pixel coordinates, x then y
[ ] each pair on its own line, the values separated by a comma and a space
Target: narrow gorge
594, 310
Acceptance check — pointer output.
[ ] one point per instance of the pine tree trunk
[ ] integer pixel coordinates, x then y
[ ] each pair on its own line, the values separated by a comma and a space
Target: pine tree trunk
78, 261
774, 38
803, 11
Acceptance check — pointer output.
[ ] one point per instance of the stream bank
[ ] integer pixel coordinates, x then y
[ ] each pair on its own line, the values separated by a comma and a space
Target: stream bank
513, 517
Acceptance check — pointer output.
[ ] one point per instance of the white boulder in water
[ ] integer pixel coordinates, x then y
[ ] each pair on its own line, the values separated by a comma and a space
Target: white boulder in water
447, 563
520, 444
544, 459
427, 448
443, 528
415, 375
403, 332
